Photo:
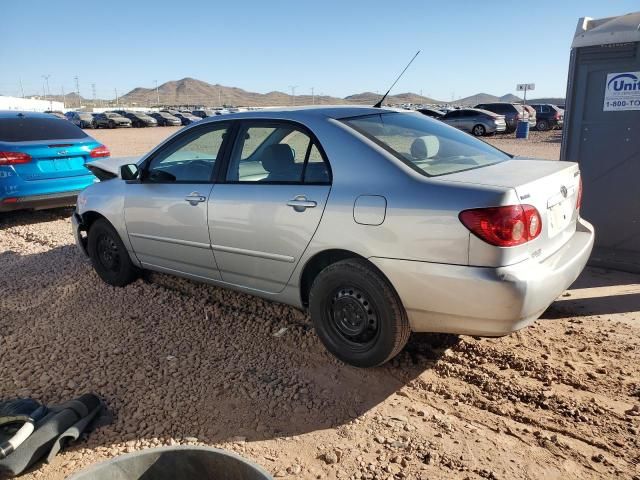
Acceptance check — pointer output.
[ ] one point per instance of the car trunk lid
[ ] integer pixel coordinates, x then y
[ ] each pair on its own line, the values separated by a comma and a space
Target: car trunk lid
550, 186
52, 159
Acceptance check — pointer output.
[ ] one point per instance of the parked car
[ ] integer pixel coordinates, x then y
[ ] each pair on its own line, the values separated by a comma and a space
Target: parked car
185, 118
548, 116
203, 113
139, 119
56, 113
165, 119
80, 119
431, 112
111, 120
475, 121
512, 113
378, 222
42, 161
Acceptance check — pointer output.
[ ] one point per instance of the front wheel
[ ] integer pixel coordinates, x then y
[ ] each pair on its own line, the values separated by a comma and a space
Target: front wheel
357, 314
109, 256
479, 130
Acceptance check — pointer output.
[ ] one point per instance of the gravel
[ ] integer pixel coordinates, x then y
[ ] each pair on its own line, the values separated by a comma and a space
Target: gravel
184, 363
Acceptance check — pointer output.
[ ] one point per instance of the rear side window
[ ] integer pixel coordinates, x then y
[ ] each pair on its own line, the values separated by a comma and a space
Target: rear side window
278, 153
25, 129
430, 148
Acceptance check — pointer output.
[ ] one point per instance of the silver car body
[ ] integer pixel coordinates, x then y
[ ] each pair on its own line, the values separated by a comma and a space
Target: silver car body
253, 239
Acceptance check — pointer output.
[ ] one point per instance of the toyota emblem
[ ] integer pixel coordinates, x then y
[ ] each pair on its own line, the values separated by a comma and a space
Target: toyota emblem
564, 191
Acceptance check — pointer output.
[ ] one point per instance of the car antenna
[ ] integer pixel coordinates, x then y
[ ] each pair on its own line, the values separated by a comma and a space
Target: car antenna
379, 104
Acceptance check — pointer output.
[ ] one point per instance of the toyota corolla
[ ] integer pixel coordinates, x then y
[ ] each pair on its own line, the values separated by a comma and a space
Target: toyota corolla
377, 222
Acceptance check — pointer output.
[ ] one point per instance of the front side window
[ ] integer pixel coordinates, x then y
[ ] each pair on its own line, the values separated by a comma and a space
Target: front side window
431, 148
190, 159
276, 153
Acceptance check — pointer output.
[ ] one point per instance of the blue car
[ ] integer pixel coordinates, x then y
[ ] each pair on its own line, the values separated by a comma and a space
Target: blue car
42, 161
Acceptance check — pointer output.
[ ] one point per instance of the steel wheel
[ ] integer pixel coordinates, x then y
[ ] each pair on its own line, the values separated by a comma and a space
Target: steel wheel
353, 316
108, 253
542, 125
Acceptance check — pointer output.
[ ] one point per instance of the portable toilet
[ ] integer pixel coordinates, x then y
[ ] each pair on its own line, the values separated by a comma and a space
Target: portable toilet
602, 133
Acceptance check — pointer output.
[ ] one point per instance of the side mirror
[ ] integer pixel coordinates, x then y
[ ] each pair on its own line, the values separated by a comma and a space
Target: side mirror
129, 172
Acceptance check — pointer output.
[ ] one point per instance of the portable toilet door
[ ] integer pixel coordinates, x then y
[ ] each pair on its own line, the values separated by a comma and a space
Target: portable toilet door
602, 133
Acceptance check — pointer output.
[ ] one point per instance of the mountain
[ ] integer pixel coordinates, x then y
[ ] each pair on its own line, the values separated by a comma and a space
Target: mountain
370, 98
190, 91
487, 98
510, 98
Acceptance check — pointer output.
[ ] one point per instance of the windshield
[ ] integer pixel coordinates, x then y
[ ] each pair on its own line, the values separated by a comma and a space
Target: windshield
428, 146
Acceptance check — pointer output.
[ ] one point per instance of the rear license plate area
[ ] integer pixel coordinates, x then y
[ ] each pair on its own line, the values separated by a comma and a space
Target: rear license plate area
559, 216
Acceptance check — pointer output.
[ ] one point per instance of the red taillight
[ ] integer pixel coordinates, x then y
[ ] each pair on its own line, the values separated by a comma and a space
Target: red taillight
100, 152
14, 158
503, 226
579, 199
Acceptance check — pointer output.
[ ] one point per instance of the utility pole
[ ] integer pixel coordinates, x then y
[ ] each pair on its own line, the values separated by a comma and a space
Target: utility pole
220, 96
157, 94
116, 90
64, 97
93, 91
47, 91
78, 90
313, 98
293, 93
21, 87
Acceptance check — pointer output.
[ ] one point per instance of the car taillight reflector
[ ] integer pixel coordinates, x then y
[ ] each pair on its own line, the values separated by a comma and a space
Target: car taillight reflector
579, 199
506, 226
14, 158
100, 152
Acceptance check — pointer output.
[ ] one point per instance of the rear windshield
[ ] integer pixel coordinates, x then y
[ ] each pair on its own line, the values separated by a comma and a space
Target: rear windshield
428, 146
25, 129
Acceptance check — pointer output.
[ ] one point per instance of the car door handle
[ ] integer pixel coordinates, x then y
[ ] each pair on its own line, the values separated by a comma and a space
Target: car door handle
300, 203
194, 198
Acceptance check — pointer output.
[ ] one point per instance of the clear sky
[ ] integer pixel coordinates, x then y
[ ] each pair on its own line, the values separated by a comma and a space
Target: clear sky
338, 47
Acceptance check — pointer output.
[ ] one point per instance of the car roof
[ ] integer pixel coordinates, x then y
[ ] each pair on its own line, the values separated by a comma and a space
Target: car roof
307, 112
20, 113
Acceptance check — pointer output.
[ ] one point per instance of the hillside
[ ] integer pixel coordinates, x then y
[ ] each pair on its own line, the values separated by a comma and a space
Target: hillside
190, 91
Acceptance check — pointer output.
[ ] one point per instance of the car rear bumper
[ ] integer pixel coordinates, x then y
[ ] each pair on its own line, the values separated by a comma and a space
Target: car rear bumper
39, 202
486, 301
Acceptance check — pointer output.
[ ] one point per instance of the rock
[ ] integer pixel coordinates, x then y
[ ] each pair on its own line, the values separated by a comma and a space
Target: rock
599, 458
294, 469
380, 439
330, 458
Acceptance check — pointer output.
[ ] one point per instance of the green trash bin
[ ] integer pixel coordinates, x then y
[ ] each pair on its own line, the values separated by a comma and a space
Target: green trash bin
175, 463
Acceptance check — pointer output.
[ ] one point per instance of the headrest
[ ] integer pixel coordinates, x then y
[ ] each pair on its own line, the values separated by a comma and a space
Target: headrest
277, 158
425, 147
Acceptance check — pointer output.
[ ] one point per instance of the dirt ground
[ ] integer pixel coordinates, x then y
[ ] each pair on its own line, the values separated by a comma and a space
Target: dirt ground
184, 363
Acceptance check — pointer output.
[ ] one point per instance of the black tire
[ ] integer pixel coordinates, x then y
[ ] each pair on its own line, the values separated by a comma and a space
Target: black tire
112, 124
479, 130
542, 125
109, 256
375, 327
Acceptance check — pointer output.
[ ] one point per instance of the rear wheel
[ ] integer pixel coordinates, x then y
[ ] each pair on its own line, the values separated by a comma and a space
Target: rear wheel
112, 124
357, 314
109, 256
542, 125
479, 130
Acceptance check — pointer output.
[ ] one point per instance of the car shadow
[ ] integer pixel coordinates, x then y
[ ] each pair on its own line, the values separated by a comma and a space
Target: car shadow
30, 217
175, 359
598, 291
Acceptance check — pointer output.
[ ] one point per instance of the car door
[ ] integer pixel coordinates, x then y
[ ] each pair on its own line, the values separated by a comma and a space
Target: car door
166, 211
452, 118
264, 214
466, 120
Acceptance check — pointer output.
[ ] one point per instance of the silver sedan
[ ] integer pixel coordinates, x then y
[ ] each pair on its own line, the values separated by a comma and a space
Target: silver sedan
377, 222
476, 121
